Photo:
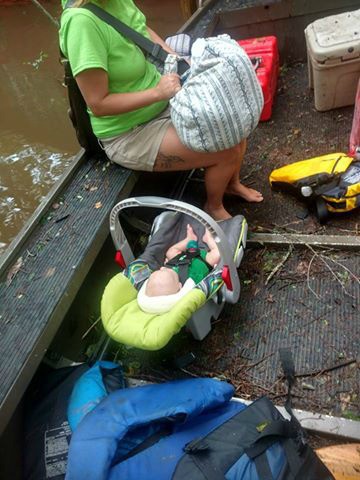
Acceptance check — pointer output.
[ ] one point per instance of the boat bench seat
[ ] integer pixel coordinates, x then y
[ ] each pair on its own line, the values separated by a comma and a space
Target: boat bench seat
44, 273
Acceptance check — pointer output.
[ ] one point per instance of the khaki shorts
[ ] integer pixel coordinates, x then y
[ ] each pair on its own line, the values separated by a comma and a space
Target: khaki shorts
138, 148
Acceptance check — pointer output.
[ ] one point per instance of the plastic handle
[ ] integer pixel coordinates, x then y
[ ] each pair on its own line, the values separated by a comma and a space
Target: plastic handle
175, 205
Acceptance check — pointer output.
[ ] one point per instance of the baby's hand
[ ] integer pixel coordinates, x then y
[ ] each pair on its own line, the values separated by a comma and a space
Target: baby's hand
207, 238
190, 234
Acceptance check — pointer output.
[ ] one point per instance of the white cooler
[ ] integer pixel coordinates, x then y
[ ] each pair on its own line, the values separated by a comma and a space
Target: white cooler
333, 49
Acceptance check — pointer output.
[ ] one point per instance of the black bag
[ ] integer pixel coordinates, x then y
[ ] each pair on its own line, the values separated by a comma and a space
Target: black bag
252, 432
78, 113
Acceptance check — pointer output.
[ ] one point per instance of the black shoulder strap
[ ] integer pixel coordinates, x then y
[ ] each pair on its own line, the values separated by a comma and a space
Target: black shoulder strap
164, 431
186, 257
150, 47
288, 366
154, 49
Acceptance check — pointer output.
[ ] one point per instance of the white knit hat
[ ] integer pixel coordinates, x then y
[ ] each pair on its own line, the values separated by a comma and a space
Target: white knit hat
162, 303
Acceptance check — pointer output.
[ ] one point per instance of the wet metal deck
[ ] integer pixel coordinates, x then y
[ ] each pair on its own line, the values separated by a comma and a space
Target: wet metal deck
295, 132
311, 304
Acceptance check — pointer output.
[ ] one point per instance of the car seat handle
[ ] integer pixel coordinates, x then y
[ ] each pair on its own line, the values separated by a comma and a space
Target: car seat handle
202, 217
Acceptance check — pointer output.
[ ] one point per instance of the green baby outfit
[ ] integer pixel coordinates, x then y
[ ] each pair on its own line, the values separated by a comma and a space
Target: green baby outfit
198, 267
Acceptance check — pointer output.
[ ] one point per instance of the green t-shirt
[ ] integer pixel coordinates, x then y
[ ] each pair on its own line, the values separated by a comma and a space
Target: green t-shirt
89, 42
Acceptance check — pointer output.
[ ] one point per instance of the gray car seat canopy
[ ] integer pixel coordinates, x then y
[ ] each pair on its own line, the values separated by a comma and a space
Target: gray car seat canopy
170, 227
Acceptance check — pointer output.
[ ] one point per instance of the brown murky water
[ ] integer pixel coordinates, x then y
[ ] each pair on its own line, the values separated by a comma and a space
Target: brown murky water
36, 139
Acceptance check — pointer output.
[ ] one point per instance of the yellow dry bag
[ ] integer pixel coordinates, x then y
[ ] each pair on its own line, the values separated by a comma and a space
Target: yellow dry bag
331, 181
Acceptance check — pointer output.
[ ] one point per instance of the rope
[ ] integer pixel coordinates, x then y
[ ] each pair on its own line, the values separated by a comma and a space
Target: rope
54, 21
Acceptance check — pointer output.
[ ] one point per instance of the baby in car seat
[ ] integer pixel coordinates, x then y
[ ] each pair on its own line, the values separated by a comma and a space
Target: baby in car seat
164, 288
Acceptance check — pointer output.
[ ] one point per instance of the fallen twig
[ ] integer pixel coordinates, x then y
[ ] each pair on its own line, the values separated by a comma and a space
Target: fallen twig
289, 284
318, 317
325, 370
146, 378
90, 328
308, 277
279, 265
324, 259
160, 373
189, 373
253, 384
285, 225
252, 365
262, 387
345, 268
254, 170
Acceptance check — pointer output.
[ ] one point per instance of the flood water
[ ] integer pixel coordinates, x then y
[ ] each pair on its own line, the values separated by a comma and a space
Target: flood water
37, 142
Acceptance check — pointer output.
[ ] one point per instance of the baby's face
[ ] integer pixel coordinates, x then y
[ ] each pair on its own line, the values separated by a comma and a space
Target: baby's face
163, 282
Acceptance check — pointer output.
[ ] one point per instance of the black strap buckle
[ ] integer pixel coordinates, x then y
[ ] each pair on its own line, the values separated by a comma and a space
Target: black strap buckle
158, 52
197, 445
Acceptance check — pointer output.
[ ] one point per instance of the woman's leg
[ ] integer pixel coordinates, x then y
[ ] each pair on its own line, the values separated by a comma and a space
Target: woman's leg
220, 168
237, 188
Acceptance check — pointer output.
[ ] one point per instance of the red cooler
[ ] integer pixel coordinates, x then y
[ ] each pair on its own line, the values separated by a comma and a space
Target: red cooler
265, 54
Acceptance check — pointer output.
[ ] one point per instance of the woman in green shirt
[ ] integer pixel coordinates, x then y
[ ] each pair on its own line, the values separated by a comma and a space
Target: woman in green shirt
127, 100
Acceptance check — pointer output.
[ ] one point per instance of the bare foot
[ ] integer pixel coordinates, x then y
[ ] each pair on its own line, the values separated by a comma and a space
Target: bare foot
248, 194
190, 234
217, 213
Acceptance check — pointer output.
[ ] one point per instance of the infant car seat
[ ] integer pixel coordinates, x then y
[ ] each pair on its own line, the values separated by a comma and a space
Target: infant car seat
121, 315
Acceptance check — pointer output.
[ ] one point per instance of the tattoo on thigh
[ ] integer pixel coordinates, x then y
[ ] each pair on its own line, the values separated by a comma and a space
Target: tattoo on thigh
167, 162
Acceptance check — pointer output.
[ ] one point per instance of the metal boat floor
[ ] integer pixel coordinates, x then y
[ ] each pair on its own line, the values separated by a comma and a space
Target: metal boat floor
295, 132
311, 305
